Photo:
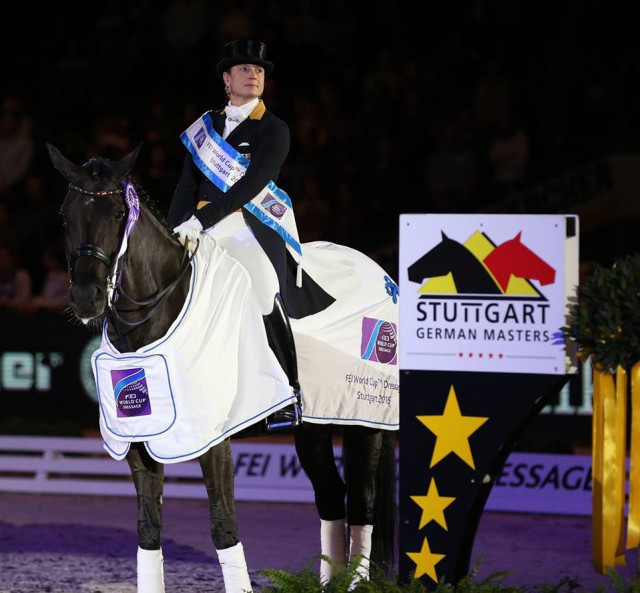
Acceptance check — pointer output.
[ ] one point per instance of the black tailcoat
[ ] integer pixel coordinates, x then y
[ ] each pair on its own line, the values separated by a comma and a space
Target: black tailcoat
264, 139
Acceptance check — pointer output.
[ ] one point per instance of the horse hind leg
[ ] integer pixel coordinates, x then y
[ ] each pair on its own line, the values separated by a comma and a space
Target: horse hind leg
314, 447
362, 448
217, 470
332, 546
148, 479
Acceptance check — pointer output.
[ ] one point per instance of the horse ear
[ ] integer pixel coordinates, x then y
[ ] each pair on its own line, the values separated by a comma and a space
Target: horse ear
518, 237
123, 167
70, 171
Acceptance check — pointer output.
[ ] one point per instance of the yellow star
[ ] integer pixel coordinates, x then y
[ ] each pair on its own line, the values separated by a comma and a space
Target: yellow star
452, 431
433, 506
425, 561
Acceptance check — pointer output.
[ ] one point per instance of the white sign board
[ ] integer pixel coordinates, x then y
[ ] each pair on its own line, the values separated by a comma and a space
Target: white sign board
487, 293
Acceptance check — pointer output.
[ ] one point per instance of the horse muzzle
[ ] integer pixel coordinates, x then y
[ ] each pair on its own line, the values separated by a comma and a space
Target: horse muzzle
88, 301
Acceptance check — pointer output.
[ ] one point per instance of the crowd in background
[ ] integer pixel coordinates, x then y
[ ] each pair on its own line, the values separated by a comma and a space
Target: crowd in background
389, 113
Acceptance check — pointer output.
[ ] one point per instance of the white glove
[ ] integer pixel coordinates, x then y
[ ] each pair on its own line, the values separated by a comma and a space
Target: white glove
189, 230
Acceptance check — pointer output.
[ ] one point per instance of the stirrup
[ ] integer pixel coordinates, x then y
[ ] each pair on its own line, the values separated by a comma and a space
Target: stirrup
288, 417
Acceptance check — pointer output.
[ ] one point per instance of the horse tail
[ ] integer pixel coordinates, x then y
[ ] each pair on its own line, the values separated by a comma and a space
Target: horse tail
384, 536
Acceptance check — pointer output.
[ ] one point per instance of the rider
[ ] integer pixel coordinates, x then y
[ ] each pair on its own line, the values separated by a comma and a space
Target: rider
226, 189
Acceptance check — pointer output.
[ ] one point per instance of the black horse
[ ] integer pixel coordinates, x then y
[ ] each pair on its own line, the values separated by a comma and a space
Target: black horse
129, 271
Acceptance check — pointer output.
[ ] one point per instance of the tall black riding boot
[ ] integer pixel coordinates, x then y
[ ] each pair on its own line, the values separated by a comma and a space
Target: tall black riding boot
282, 343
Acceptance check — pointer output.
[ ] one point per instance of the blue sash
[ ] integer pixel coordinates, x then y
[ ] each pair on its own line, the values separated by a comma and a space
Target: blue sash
223, 165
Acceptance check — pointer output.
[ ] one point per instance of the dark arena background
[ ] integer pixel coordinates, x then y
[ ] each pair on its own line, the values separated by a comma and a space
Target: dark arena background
484, 106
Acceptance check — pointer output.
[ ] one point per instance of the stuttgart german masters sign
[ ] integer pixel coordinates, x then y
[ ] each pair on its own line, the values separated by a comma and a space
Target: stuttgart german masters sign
485, 293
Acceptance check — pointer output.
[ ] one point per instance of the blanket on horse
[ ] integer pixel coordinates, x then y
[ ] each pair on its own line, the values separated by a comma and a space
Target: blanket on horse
348, 352
212, 374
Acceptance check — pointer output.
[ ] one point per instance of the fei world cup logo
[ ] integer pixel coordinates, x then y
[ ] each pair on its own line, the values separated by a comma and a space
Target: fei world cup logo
379, 341
276, 208
200, 137
131, 392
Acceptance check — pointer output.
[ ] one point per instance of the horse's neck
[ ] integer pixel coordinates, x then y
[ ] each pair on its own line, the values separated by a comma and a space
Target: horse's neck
501, 262
152, 262
470, 275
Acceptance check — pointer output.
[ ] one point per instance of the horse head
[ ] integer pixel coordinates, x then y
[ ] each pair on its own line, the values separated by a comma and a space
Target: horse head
434, 262
514, 258
95, 215
451, 256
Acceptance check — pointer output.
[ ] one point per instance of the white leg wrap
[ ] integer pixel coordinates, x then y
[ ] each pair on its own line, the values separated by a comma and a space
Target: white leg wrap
332, 545
234, 569
150, 571
360, 544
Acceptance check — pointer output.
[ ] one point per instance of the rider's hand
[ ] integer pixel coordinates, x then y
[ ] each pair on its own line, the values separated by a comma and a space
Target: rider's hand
189, 230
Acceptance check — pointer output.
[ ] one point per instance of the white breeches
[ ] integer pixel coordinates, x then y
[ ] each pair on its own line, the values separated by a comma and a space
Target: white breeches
233, 234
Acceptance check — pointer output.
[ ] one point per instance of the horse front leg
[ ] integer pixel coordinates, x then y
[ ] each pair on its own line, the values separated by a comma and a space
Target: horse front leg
217, 470
362, 449
148, 478
314, 446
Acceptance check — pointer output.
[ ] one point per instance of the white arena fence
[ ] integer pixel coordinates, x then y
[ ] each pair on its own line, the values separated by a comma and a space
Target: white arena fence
270, 472
67, 465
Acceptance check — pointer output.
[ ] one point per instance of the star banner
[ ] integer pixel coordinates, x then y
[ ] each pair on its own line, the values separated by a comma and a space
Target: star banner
482, 351
457, 429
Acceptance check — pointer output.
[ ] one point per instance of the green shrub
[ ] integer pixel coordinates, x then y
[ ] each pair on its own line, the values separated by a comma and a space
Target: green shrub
605, 323
307, 581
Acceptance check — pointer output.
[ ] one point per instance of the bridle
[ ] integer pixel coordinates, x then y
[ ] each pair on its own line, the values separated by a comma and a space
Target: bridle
86, 249
114, 287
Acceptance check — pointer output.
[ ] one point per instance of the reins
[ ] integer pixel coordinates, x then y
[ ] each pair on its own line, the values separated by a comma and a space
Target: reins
114, 287
159, 297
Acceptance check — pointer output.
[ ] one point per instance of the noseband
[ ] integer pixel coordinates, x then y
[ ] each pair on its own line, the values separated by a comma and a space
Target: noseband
91, 251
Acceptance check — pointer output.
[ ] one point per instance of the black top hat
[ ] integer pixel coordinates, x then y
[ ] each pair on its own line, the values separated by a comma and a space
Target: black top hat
244, 52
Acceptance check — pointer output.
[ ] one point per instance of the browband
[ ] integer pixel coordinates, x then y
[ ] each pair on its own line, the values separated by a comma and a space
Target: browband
95, 193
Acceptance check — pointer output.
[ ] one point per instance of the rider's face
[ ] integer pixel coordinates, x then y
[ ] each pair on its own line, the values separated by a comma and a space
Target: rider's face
245, 81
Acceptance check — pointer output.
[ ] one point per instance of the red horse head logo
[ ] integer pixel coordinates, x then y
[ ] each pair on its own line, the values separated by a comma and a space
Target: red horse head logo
513, 258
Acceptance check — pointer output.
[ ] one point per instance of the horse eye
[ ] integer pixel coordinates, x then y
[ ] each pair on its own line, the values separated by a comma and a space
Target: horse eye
120, 215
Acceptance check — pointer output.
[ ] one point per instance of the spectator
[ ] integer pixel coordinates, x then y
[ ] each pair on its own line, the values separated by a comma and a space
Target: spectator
452, 170
509, 153
36, 221
8, 235
15, 282
493, 94
348, 224
16, 143
186, 23
382, 83
158, 174
54, 295
313, 212
111, 136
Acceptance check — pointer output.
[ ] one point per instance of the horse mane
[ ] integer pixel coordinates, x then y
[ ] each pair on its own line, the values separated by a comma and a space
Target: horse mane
150, 203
